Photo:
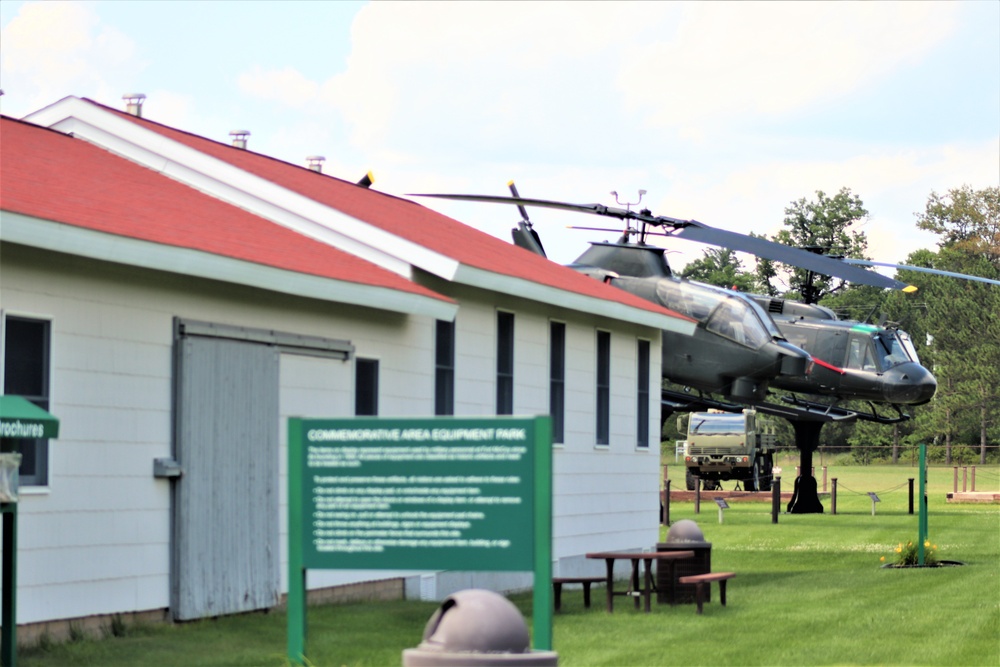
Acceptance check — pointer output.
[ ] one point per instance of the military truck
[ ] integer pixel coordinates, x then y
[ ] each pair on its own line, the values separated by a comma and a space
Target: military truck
724, 446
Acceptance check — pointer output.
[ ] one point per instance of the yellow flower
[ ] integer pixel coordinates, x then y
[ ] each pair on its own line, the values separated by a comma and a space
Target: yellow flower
882, 559
899, 550
927, 544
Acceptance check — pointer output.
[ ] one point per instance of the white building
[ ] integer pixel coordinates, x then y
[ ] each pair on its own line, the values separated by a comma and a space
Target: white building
170, 297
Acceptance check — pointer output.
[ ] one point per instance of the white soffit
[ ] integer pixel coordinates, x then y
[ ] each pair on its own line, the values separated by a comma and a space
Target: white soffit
571, 300
58, 237
240, 188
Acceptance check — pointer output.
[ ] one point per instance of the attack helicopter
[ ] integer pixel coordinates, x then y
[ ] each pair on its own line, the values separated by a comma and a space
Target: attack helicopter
722, 357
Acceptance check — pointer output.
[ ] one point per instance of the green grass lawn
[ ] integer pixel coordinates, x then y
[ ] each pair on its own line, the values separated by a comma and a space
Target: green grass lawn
808, 591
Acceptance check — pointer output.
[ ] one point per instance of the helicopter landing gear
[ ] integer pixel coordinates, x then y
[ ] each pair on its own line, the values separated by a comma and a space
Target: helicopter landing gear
805, 497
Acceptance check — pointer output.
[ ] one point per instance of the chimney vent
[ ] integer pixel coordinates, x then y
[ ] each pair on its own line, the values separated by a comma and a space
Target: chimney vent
367, 180
240, 138
134, 103
315, 163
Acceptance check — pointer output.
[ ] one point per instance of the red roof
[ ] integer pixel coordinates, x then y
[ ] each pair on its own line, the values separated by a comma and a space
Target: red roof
50, 175
405, 219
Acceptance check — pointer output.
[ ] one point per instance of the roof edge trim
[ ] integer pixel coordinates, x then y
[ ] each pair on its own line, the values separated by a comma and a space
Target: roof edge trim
72, 240
616, 310
93, 123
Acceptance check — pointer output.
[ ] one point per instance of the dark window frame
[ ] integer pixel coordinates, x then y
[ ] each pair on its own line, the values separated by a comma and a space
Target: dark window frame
557, 379
603, 389
643, 389
444, 368
505, 363
366, 381
35, 451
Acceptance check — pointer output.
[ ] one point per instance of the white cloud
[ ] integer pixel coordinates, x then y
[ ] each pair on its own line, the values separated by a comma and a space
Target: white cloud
286, 86
729, 60
54, 49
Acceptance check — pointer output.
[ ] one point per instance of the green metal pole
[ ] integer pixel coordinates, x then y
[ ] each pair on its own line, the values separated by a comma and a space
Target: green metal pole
296, 570
542, 602
922, 530
8, 614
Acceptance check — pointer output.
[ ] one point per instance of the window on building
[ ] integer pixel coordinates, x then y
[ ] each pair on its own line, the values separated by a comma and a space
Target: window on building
26, 373
444, 368
505, 363
603, 408
366, 387
557, 378
642, 394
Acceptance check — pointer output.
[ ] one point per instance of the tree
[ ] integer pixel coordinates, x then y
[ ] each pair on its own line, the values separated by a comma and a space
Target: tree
821, 226
721, 267
962, 315
967, 220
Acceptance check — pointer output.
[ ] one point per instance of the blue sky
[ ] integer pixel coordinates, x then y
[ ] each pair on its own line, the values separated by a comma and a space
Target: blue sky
723, 112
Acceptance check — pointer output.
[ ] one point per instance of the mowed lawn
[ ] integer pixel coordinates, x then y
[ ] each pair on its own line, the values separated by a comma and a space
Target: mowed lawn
809, 590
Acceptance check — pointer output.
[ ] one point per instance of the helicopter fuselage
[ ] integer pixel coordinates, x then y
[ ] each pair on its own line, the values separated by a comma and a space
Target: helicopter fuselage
736, 350
857, 361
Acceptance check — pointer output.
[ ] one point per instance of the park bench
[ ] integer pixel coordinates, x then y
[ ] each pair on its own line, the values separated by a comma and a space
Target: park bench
703, 581
557, 584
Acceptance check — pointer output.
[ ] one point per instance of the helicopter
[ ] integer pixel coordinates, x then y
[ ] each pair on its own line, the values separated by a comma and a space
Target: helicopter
721, 357
743, 344
852, 360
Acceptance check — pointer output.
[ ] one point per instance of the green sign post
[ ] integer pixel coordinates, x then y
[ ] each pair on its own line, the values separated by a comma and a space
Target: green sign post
419, 494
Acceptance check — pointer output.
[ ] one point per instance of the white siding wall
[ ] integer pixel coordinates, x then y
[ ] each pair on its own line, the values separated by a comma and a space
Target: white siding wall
97, 540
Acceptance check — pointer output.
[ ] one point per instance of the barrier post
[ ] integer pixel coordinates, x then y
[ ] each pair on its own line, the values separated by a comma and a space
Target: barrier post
824, 479
697, 495
775, 499
833, 496
911, 495
973, 479
965, 478
666, 506
955, 481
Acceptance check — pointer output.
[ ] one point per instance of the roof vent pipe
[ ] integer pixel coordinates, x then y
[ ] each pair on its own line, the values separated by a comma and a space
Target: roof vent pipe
315, 163
133, 103
240, 138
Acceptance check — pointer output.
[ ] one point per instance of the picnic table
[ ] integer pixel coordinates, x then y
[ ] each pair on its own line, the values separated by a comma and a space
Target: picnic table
634, 591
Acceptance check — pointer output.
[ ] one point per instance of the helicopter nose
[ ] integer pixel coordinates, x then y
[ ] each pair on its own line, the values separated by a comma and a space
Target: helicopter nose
908, 384
794, 361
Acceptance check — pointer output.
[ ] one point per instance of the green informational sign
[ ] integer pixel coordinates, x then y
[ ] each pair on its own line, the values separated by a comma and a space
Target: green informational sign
420, 494
417, 495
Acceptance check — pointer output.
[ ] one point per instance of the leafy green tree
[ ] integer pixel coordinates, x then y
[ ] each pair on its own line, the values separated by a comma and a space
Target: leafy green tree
962, 316
721, 267
822, 226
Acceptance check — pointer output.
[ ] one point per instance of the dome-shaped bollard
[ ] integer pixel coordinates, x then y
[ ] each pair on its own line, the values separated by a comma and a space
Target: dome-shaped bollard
478, 628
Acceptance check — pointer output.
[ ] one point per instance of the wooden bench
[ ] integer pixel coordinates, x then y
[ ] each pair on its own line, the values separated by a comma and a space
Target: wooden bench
557, 584
703, 581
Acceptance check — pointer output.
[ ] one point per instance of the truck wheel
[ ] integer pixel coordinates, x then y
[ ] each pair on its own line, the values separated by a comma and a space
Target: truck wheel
711, 485
690, 480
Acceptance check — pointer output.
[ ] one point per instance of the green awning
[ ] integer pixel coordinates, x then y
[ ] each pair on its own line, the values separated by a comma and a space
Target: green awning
20, 418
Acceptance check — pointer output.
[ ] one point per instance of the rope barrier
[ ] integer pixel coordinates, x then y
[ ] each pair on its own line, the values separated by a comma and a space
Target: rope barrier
840, 487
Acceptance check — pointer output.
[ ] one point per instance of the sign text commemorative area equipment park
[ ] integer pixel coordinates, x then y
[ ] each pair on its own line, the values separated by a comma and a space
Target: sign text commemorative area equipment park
420, 494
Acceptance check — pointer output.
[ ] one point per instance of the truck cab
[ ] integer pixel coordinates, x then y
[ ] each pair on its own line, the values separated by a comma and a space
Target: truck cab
724, 446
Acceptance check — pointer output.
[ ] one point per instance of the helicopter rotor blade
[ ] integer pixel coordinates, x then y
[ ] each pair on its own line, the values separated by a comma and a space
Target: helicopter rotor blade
692, 230
921, 269
788, 255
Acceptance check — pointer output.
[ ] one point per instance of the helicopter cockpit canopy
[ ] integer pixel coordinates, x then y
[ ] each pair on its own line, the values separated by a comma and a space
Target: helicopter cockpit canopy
727, 314
888, 348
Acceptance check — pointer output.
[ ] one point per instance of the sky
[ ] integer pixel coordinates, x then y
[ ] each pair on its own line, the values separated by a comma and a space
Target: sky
723, 112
